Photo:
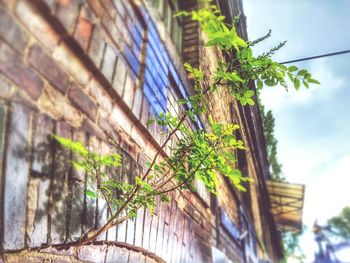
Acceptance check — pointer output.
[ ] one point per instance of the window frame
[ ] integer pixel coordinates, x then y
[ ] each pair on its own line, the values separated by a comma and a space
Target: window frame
174, 25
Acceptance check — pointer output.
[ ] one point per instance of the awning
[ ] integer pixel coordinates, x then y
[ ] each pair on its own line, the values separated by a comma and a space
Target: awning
286, 204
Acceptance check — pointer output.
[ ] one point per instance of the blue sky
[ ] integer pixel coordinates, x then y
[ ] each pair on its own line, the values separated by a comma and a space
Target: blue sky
312, 125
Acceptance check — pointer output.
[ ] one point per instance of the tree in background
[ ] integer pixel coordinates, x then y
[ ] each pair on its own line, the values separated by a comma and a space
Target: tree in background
340, 224
268, 121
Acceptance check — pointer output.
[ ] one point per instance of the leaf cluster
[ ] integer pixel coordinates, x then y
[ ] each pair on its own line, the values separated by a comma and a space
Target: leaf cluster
340, 224
241, 66
102, 183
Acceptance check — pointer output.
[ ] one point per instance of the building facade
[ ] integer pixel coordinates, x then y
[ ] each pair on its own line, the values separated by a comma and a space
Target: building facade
96, 71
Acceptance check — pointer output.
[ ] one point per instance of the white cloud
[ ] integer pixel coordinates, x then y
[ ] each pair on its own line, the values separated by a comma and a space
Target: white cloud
276, 98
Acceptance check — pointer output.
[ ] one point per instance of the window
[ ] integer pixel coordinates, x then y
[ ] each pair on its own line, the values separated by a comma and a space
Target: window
249, 238
167, 10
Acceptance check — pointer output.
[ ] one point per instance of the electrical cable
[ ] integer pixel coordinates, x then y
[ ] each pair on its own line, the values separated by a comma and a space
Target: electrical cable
315, 57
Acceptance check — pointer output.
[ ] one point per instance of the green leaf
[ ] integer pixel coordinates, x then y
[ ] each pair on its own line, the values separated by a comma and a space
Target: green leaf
290, 76
214, 42
248, 94
181, 13
259, 84
269, 82
182, 101
188, 67
296, 83
76, 147
91, 194
302, 72
150, 122
240, 187
165, 198
314, 81
250, 101
306, 84
292, 68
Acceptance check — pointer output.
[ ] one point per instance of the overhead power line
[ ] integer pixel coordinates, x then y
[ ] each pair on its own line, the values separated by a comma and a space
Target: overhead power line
319, 56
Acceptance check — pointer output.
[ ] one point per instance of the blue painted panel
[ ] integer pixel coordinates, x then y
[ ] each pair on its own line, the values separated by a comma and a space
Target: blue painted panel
229, 225
133, 61
159, 69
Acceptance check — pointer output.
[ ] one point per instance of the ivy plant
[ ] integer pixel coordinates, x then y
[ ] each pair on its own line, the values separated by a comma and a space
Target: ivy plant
194, 152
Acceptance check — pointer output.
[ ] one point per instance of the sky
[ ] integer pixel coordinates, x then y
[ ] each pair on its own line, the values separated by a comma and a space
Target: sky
312, 125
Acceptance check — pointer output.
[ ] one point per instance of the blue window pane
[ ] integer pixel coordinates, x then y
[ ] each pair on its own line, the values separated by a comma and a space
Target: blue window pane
132, 60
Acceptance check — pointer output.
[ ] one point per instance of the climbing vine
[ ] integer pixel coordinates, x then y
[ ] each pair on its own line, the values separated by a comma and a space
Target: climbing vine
195, 153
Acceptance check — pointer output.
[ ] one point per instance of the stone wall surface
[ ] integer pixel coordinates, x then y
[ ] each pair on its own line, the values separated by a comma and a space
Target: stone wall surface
95, 71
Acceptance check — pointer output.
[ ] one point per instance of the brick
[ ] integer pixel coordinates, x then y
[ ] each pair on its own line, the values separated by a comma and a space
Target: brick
147, 230
71, 63
3, 120
102, 216
84, 27
109, 7
109, 60
32, 201
137, 106
48, 68
123, 31
153, 234
113, 30
136, 258
163, 252
117, 255
97, 45
12, 32
130, 235
90, 208
96, 7
7, 91
67, 13
105, 124
119, 117
41, 168
99, 95
121, 232
129, 91
92, 129
161, 226
16, 178
83, 102
77, 187
59, 194
119, 5
92, 253
51, 4
12, 66
36, 24
138, 137
55, 104
119, 77
2, 130
139, 227
145, 113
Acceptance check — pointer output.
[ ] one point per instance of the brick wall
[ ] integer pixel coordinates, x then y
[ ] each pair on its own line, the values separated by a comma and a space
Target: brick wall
95, 71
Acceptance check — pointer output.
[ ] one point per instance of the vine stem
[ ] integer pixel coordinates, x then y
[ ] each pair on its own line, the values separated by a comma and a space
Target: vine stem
93, 234
192, 173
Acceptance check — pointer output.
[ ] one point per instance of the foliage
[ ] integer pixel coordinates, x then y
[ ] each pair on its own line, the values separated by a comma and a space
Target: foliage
340, 224
271, 142
243, 67
292, 247
104, 185
194, 152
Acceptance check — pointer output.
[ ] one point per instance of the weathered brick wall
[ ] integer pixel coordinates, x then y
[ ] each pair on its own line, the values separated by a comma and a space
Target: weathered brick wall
95, 71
